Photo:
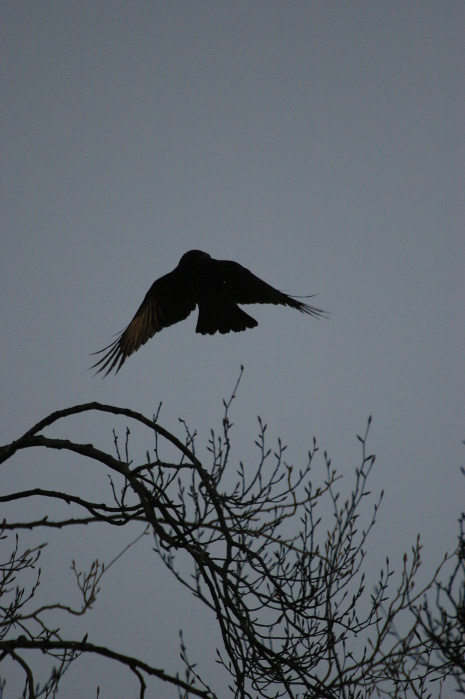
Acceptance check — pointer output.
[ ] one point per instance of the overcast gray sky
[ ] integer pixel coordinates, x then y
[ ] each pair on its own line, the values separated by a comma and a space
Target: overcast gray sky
319, 144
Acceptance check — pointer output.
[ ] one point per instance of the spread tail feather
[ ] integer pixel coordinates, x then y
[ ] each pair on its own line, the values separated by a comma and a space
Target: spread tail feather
223, 319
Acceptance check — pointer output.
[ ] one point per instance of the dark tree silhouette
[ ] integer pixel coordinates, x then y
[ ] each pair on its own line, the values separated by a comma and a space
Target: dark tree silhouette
440, 621
277, 557
215, 286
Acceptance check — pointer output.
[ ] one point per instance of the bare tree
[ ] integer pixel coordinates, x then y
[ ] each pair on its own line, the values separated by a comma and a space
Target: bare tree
284, 579
440, 621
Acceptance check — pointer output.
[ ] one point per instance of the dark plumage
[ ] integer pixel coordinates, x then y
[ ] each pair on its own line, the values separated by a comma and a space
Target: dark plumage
215, 286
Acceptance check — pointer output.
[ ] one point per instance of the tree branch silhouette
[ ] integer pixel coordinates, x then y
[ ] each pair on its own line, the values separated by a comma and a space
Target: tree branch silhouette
277, 557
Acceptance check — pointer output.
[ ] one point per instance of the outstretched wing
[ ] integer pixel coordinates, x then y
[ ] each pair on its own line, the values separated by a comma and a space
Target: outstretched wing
239, 285
168, 301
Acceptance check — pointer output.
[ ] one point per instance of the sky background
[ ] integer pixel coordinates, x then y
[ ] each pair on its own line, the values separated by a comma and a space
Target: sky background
319, 144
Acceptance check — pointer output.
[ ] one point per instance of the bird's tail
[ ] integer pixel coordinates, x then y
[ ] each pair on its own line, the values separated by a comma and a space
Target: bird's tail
223, 319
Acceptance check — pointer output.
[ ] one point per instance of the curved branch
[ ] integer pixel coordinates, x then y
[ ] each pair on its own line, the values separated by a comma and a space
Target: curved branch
134, 664
8, 450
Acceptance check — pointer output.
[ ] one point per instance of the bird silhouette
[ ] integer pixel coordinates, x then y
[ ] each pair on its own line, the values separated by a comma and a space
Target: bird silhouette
215, 286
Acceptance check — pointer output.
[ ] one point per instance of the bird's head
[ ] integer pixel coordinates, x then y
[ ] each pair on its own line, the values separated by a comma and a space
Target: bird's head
193, 257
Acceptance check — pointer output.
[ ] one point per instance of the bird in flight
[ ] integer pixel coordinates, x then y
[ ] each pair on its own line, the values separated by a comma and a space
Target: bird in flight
215, 286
